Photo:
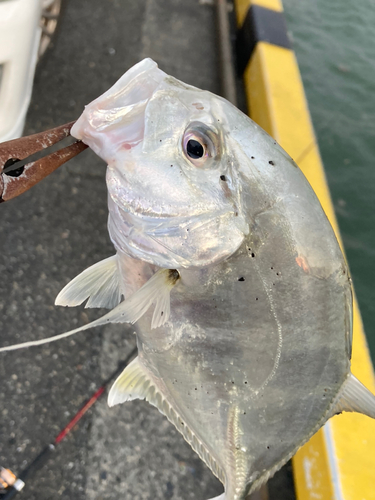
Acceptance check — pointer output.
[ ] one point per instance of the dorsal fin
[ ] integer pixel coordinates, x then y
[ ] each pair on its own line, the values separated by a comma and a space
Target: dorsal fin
135, 383
99, 283
354, 396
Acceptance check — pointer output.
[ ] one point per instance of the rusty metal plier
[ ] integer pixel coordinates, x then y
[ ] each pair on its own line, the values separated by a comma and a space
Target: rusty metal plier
16, 176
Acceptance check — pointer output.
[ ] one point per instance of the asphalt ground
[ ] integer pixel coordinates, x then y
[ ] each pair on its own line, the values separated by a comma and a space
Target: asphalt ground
53, 232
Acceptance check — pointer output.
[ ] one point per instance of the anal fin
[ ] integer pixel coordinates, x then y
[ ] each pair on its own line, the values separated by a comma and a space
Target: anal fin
135, 383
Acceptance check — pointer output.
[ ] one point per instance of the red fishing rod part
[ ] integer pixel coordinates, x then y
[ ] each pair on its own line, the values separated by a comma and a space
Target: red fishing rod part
10, 485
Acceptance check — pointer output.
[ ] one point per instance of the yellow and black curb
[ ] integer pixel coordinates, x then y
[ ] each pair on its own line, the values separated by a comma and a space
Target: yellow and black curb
338, 463
260, 25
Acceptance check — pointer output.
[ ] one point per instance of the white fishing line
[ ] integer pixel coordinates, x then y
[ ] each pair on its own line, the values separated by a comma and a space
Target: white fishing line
155, 291
32, 343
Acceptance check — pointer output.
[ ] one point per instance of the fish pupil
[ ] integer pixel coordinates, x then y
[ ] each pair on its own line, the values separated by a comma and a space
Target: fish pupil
194, 149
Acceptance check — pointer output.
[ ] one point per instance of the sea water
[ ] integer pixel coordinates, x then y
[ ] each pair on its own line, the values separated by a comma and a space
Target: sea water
334, 41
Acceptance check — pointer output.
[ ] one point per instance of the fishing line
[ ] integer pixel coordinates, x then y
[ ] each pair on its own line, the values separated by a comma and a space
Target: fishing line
155, 291
41, 459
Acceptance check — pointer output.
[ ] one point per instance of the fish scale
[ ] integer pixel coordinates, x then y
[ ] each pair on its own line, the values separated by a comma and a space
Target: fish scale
200, 353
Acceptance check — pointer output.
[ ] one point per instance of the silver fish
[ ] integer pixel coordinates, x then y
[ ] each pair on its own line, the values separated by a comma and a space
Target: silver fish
247, 348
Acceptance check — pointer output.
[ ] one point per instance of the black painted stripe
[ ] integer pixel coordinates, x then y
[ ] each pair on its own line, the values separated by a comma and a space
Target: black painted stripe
260, 24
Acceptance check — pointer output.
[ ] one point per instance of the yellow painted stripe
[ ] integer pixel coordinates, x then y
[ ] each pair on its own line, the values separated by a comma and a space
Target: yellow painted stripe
242, 6
338, 463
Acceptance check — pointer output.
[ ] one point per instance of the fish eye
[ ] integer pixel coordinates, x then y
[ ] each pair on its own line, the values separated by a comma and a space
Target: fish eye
199, 145
194, 149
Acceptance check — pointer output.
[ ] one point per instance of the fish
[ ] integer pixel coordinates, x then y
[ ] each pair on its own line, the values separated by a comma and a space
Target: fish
229, 267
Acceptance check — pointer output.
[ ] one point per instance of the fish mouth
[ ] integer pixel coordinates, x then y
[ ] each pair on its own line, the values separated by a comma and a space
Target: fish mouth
119, 113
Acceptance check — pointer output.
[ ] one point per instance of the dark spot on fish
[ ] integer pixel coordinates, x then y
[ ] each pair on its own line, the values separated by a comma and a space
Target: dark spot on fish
173, 276
256, 298
271, 162
236, 214
232, 381
223, 178
241, 279
253, 254
195, 389
277, 274
244, 412
161, 314
245, 381
271, 267
253, 157
268, 447
160, 140
171, 165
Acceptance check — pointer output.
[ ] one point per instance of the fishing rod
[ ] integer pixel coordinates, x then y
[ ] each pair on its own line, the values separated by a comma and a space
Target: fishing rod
10, 484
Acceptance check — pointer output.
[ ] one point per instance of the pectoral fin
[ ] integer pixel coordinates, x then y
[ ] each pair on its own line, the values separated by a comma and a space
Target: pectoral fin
99, 283
155, 291
354, 396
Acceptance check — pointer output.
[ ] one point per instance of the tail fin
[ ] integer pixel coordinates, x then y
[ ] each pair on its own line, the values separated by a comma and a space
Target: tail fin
355, 397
